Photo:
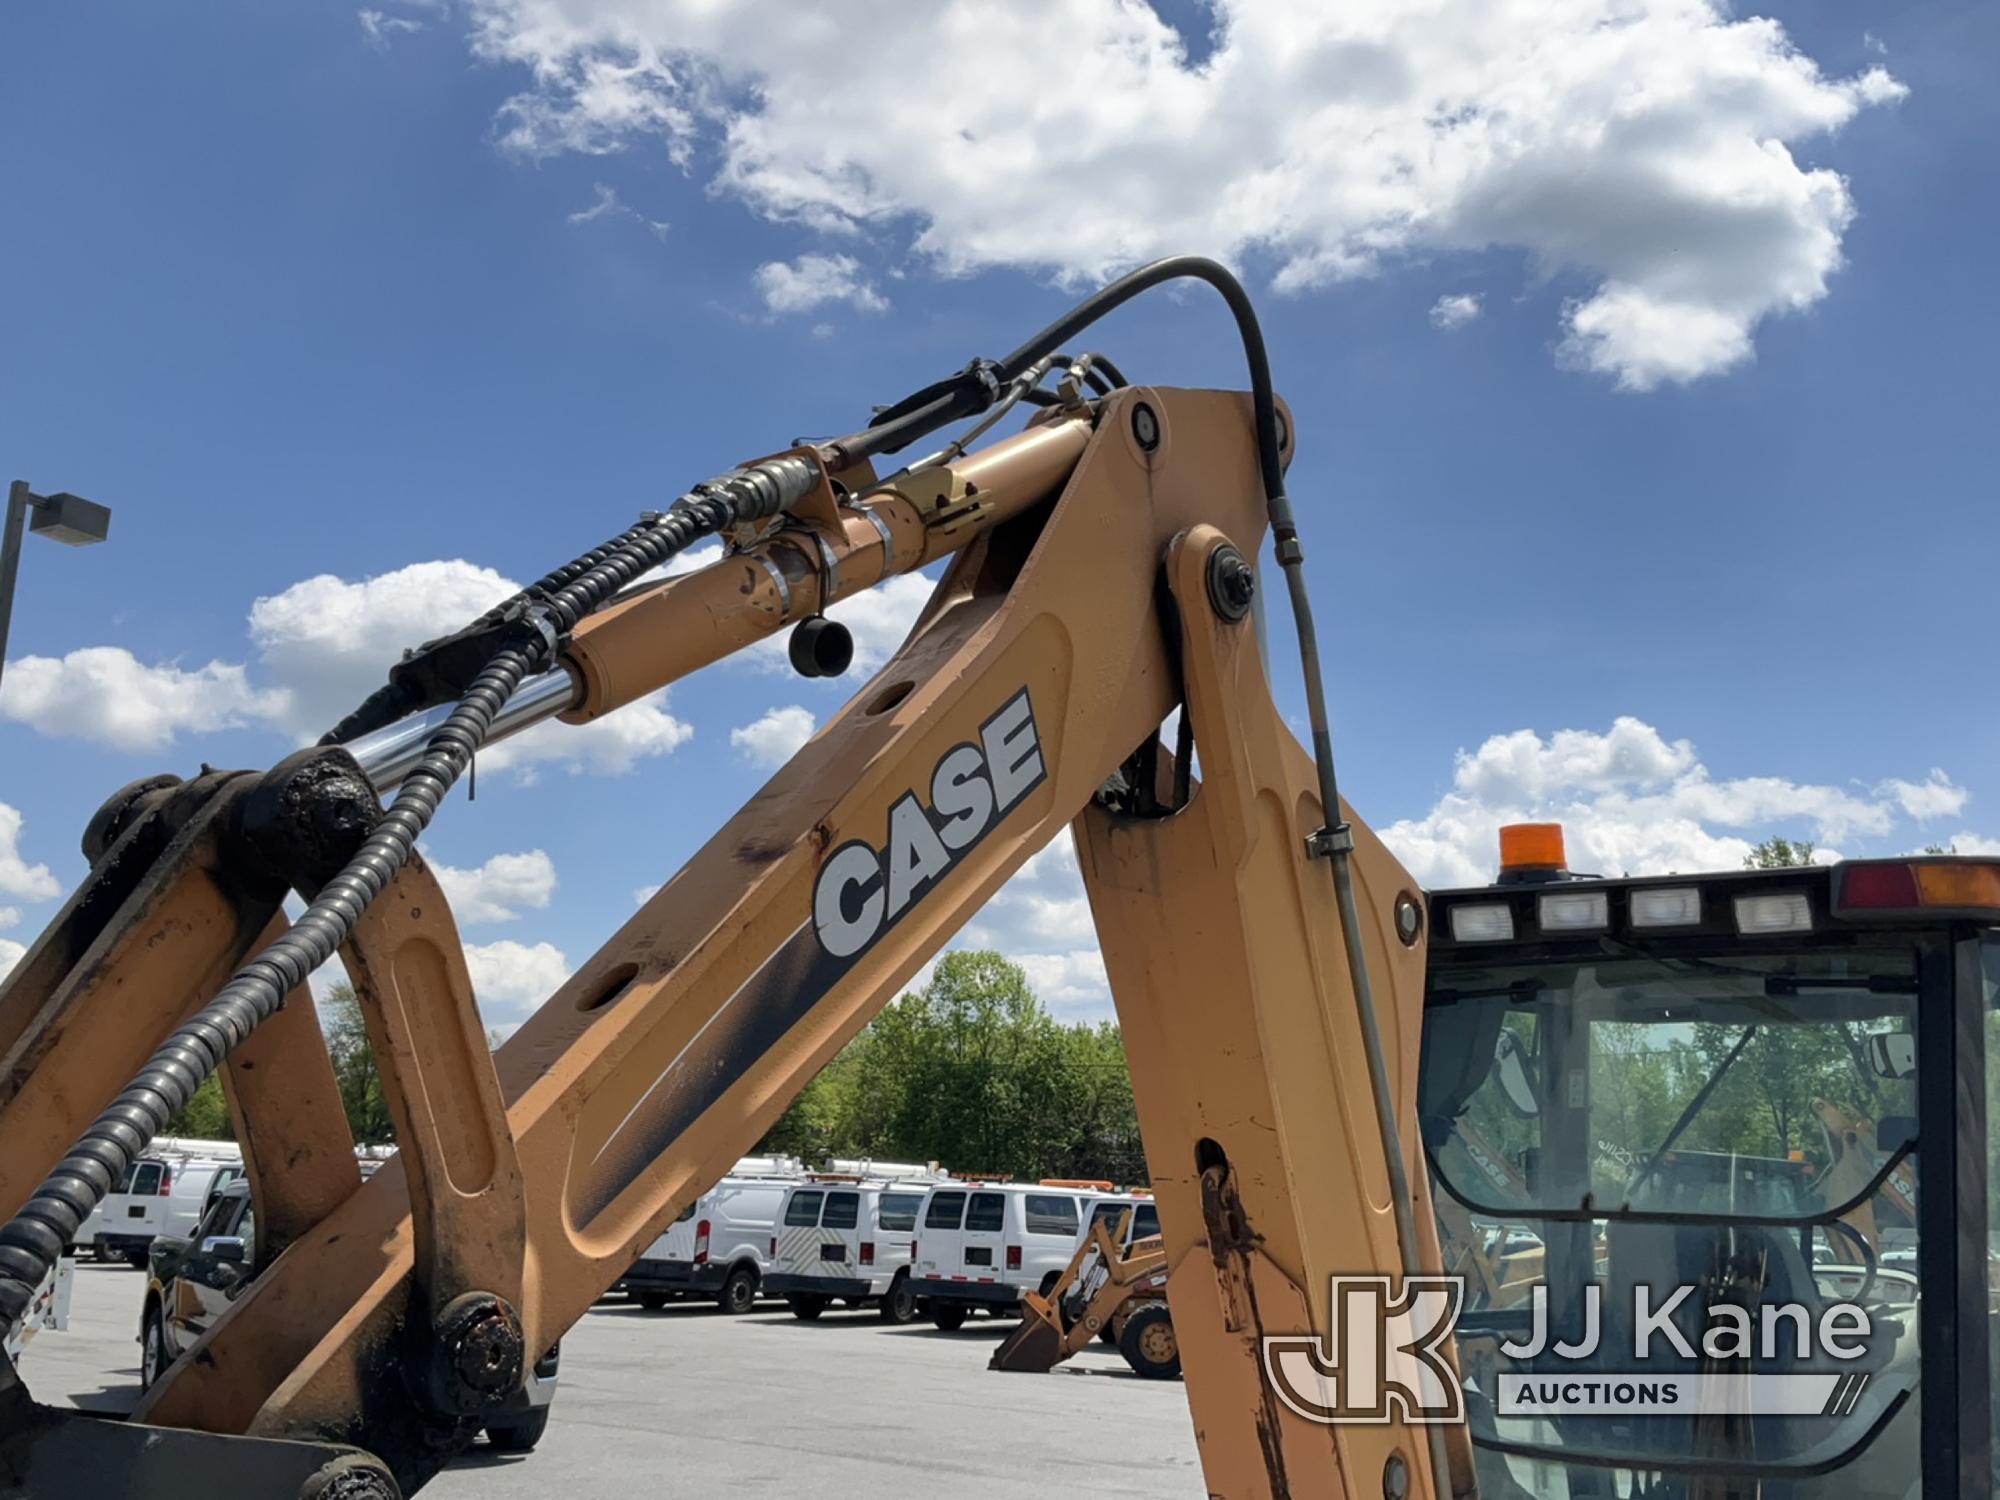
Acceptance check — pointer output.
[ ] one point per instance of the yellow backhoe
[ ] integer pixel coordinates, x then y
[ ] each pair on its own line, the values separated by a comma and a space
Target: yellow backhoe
1276, 973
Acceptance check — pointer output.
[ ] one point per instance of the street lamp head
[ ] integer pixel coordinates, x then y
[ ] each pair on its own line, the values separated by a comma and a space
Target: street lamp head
71, 520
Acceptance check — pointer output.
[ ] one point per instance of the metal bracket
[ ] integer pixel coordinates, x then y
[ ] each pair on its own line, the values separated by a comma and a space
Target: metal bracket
468, 1211
1328, 842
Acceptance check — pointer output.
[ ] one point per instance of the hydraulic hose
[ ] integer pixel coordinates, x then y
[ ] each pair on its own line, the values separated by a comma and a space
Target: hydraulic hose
1335, 842
33, 1239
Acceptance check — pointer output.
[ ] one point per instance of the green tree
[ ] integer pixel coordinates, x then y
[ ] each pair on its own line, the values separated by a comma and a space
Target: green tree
354, 1067
1779, 853
205, 1116
972, 1072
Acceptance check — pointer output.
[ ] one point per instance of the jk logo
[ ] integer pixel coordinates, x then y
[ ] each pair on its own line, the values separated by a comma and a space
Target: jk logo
1384, 1355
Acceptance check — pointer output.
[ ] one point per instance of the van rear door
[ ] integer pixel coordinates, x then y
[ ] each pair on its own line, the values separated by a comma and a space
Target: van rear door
938, 1239
798, 1234
895, 1228
839, 1233
143, 1210
984, 1244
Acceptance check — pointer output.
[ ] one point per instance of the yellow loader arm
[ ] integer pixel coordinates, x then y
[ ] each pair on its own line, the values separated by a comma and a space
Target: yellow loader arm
1100, 1280
1099, 577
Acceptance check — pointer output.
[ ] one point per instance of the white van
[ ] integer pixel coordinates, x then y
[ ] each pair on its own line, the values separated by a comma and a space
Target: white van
719, 1247
988, 1244
160, 1195
838, 1237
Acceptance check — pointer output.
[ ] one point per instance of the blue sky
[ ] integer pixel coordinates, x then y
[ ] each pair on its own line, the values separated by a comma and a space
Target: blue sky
1643, 377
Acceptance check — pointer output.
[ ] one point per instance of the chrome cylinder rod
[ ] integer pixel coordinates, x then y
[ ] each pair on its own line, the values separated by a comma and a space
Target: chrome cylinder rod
392, 752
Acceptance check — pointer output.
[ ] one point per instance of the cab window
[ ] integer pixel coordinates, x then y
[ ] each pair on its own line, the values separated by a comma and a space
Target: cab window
1145, 1221
843, 1211
145, 1179
803, 1211
213, 1222
986, 1213
944, 1211
1050, 1213
897, 1212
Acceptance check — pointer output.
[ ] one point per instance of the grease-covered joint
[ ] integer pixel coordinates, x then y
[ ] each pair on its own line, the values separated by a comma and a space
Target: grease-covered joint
476, 1354
352, 1476
307, 816
121, 809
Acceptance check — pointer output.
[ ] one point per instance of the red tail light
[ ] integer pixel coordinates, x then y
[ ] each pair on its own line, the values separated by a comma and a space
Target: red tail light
166, 1182
867, 1252
913, 1249
1013, 1257
701, 1243
774, 1247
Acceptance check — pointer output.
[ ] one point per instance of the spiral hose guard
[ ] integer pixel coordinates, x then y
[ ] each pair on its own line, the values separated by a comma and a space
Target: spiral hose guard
35, 1237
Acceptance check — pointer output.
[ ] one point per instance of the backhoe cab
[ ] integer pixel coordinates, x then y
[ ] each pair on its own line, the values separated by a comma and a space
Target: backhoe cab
1651, 1080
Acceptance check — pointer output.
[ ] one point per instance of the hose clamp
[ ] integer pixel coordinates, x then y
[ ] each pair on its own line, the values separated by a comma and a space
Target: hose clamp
778, 581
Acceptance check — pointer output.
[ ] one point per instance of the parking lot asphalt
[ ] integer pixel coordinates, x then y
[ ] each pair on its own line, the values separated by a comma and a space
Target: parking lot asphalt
686, 1401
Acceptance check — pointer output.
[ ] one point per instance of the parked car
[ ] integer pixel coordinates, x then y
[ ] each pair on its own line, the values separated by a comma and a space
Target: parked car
194, 1278
849, 1240
719, 1247
161, 1195
988, 1244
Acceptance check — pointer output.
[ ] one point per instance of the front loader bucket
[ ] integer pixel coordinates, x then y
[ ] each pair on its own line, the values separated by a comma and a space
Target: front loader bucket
1037, 1345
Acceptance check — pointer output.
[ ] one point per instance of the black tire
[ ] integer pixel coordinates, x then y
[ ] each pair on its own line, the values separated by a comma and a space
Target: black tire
899, 1303
1108, 1335
950, 1316
739, 1292
520, 1436
1048, 1283
138, 1260
806, 1307
652, 1301
1149, 1345
154, 1356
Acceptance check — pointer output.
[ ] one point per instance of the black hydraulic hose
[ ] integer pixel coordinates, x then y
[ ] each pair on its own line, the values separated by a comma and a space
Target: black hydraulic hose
1336, 841
33, 1239
395, 699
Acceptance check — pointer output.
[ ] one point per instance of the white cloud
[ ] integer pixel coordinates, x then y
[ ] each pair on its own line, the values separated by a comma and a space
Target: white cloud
1874, 43
11, 953
18, 878
814, 280
1645, 148
106, 694
500, 889
1072, 985
1631, 802
610, 746
512, 979
775, 738
644, 894
379, 28
333, 641
1455, 311
1933, 797
605, 200
1972, 843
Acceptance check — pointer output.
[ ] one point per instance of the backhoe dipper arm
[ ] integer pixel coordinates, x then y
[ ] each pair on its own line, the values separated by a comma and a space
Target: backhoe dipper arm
1097, 588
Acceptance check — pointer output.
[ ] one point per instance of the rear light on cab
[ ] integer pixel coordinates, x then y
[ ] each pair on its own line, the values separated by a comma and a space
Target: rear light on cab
774, 1247
1013, 1257
701, 1243
867, 1252
166, 1182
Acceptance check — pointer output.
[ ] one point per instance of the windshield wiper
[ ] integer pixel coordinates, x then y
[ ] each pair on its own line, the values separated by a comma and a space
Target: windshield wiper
1687, 1115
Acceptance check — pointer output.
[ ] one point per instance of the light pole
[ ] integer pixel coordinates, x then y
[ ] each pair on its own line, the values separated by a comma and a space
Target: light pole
69, 519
